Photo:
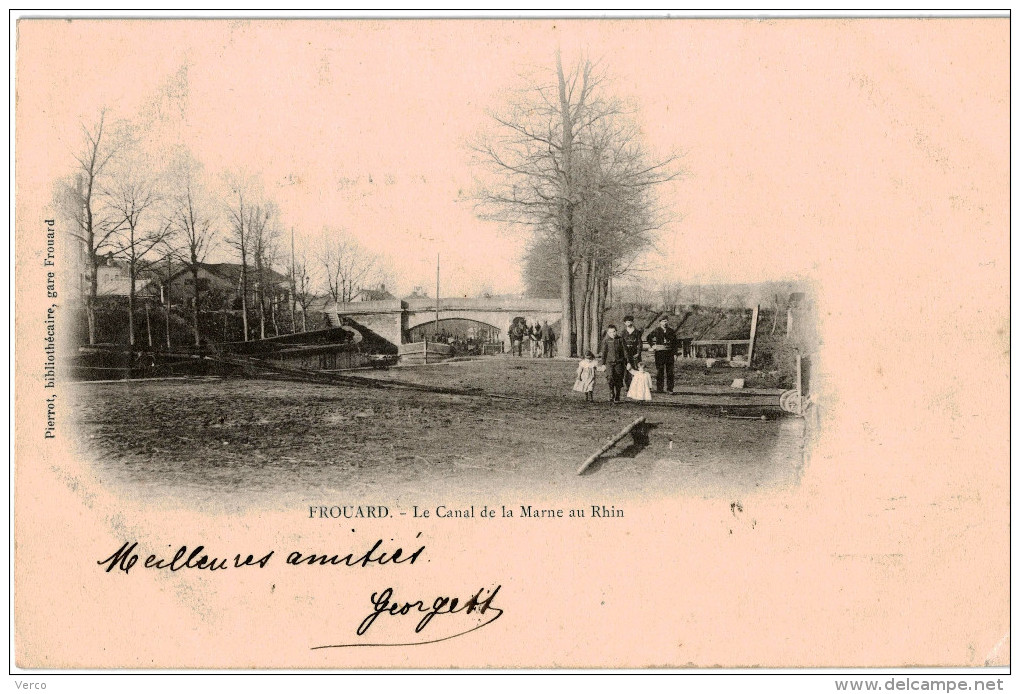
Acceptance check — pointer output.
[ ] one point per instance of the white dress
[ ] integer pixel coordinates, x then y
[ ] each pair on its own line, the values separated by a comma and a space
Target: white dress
585, 382
640, 385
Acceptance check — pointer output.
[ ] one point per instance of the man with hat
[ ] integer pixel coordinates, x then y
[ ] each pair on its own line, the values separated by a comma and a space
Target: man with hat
632, 340
663, 343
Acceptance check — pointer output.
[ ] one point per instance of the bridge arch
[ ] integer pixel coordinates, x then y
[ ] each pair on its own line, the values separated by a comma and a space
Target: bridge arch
396, 320
455, 326
499, 319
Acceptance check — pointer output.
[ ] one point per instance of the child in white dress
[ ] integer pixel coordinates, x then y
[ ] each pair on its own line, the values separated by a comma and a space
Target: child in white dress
640, 384
585, 381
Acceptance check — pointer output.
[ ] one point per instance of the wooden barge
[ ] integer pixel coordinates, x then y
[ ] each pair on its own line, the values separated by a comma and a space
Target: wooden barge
424, 352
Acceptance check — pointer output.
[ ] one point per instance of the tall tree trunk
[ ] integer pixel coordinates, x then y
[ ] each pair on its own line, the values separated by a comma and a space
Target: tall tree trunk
568, 341
577, 314
262, 312
589, 316
293, 285
244, 296
194, 306
260, 295
607, 302
131, 303
600, 287
583, 295
90, 302
272, 314
169, 301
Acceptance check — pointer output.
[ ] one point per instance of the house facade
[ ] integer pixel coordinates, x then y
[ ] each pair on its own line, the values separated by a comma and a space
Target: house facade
220, 286
113, 281
377, 293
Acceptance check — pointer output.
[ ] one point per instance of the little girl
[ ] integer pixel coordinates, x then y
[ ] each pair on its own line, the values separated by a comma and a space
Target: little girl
640, 384
585, 382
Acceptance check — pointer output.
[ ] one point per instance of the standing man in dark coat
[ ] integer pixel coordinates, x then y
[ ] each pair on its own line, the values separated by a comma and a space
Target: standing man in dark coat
662, 340
548, 340
632, 339
613, 355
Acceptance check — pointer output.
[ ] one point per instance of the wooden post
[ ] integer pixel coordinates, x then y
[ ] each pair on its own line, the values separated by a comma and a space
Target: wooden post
729, 351
754, 331
148, 324
612, 442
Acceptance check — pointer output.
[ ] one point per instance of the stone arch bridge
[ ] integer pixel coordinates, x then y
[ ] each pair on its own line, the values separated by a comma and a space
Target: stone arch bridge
394, 319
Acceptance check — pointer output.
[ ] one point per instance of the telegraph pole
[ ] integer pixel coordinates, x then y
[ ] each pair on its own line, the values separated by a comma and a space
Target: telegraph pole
293, 286
436, 335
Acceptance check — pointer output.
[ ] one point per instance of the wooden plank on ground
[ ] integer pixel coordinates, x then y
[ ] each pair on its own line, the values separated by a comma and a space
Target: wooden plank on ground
609, 444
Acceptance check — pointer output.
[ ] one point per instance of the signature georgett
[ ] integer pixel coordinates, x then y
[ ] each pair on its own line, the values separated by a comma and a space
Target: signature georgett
383, 605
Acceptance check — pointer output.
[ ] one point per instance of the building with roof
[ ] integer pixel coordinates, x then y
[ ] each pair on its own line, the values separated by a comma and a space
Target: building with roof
377, 293
220, 285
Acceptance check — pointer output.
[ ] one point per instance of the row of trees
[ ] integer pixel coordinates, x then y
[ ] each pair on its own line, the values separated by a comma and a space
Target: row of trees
774, 297
566, 161
157, 218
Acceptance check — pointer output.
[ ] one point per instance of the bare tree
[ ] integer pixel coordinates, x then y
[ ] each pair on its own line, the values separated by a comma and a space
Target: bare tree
81, 195
637, 294
293, 283
717, 296
565, 161
238, 211
615, 218
133, 197
193, 236
346, 266
670, 294
265, 247
541, 267
248, 216
263, 235
303, 283
777, 300
737, 299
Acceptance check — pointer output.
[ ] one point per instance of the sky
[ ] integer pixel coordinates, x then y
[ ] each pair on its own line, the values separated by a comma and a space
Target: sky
806, 144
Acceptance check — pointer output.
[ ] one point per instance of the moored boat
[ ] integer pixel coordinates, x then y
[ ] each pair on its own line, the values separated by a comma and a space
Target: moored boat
424, 352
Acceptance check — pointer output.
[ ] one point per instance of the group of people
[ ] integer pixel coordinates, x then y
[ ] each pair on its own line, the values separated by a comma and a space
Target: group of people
460, 344
620, 358
540, 336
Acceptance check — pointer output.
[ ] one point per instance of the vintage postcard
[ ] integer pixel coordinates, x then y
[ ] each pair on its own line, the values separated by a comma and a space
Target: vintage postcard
511, 343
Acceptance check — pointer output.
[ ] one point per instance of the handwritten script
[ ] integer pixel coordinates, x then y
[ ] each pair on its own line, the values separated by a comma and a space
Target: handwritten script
472, 613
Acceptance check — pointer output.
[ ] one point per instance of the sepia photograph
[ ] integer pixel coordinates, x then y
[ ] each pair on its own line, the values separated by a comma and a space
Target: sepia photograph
242, 323
670, 343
